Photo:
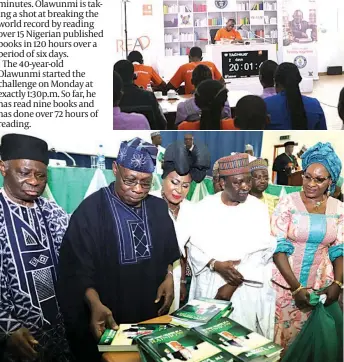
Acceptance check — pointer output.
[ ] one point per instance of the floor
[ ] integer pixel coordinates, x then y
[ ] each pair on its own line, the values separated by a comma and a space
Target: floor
327, 90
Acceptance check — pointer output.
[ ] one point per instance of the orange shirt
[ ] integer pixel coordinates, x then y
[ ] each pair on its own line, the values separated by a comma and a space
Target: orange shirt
184, 75
146, 75
226, 124
223, 33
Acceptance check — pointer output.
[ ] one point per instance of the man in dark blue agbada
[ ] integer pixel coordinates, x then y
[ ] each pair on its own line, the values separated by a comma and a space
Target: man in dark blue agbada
117, 254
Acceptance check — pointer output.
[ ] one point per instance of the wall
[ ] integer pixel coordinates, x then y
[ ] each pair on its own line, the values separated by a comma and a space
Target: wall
310, 138
331, 34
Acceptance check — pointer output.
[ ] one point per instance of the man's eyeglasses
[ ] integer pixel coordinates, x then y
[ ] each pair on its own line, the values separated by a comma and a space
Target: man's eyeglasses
132, 183
317, 180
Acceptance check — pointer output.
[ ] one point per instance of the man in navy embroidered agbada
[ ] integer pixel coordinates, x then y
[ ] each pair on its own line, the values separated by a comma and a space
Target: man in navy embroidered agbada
31, 231
116, 257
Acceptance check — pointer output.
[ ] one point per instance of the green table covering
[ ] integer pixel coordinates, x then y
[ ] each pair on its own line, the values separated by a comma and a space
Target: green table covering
68, 186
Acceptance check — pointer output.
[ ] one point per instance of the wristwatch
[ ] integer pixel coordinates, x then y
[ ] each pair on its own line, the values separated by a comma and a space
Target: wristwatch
212, 265
340, 285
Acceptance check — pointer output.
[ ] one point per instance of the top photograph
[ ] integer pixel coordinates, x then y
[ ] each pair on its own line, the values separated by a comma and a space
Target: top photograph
228, 65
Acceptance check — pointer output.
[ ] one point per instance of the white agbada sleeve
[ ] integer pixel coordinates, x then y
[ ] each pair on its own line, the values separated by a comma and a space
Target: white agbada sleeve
235, 233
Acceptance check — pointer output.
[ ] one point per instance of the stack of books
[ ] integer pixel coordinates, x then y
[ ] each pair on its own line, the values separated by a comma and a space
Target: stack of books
201, 331
219, 340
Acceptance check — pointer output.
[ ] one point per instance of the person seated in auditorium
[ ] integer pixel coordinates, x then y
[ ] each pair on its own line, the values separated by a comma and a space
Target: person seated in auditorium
288, 109
188, 111
184, 73
210, 98
144, 73
228, 32
135, 99
125, 120
251, 114
267, 72
341, 106
299, 27
260, 182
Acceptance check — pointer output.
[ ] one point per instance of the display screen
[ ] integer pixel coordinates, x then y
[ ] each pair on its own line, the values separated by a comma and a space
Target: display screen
242, 64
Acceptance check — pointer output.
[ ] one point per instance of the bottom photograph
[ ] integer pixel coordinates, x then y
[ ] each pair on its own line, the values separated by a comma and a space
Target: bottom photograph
172, 246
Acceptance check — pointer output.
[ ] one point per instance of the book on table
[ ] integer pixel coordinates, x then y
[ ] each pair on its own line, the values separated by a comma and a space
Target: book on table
123, 339
200, 311
179, 344
243, 344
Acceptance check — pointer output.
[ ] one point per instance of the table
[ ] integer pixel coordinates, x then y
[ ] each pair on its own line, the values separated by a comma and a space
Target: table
132, 356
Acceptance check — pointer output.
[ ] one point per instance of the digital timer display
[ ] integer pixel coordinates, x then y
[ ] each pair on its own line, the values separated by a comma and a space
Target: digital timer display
242, 64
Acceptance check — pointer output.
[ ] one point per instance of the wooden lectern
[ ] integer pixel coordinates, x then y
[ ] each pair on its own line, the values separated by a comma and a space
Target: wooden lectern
295, 179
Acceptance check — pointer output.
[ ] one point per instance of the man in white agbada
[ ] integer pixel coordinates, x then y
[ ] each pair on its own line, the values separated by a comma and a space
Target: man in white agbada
230, 248
157, 140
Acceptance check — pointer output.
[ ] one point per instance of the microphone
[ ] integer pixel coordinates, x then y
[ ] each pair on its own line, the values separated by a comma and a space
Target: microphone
255, 35
66, 154
240, 27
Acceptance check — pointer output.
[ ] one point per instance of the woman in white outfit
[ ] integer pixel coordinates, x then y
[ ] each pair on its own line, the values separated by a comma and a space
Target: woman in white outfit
180, 168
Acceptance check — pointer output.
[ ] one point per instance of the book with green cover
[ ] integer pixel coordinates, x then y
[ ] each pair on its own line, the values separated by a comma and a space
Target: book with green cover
123, 340
180, 344
200, 311
243, 344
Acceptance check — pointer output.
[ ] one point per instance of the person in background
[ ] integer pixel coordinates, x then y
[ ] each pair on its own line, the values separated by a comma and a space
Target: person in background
299, 27
210, 97
218, 187
125, 120
249, 150
285, 164
144, 73
260, 182
267, 72
189, 142
251, 114
184, 73
32, 228
228, 32
116, 257
222, 261
188, 110
341, 106
179, 170
308, 226
134, 97
157, 141
289, 109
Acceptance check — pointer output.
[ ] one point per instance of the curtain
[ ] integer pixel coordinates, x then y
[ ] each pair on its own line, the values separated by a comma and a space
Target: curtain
220, 143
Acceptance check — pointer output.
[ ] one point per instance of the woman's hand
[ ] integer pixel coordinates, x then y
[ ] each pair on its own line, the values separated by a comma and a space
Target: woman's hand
302, 299
332, 293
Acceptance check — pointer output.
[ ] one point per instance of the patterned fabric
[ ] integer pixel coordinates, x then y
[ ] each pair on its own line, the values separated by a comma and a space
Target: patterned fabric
324, 154
234, 164
310, 241
216, 169
131, 229
30, 240
271, 202
258, 164
137, 155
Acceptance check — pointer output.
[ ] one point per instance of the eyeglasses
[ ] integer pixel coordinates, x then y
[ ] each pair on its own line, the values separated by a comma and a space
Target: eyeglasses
133, 183
317, 180
261, 178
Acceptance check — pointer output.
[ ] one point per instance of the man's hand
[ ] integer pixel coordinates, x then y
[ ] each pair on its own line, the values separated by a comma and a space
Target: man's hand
183, 292
166, 290
332, 293
21, 343
101, 319
227, 270
225, 292
302, 299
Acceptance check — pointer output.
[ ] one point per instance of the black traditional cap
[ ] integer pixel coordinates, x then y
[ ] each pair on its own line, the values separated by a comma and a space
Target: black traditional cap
22, 147
290, 143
